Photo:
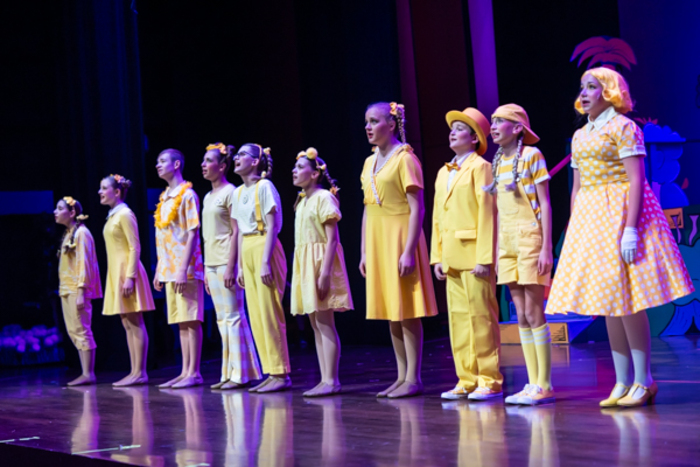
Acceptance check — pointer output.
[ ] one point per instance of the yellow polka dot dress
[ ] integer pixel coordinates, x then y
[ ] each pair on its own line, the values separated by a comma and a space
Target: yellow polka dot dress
591, 277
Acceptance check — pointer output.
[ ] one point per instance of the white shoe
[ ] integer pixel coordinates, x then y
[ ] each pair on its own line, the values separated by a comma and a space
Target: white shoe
483, 394
515, 398
457, 393
537, 396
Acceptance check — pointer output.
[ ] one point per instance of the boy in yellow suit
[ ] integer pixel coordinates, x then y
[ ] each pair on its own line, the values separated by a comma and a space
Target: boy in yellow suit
462, 253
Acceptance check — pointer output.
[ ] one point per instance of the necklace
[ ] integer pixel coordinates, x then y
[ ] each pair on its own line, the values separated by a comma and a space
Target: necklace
174, 211
377, 169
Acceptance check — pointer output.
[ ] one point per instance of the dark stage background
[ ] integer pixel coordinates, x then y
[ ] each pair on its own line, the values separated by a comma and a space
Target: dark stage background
93, 87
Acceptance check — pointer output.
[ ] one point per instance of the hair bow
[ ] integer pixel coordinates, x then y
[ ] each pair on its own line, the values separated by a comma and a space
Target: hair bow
69, 200
220, 146
395, 108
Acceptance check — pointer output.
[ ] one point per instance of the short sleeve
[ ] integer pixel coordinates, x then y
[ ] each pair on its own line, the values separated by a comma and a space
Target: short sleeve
228, 200
328, 208
266, 194
234, 203
411, 172
537, 165
628, 138
190, 209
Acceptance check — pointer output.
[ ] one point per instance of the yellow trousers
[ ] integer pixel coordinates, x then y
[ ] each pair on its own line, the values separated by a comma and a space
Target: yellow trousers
474, 332
78, 323
265, 304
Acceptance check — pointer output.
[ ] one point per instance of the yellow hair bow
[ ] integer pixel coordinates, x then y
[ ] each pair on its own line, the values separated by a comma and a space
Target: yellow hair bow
220, 146
395, 108
82, 217
334, 190
69, 200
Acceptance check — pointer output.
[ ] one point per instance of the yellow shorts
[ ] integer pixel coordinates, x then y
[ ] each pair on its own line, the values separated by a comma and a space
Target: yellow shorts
519, 249
186, 306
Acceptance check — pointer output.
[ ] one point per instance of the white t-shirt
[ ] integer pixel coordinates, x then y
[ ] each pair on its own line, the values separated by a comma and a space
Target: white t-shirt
243, 207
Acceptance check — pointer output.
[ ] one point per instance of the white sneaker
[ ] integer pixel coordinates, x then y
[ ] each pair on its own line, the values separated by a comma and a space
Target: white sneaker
457, 393
515, 398
537, 396
482, 394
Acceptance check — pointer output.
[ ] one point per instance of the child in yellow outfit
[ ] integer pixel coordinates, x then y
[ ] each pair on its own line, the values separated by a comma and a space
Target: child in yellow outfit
180, 264
462, 252
239, 362
524, 242
79, 283
262, 266
127, 292
320, 284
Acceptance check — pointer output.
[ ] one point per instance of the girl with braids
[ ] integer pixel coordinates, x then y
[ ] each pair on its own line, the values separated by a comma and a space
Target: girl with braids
239, 362
127, 292
521, 180
394, 251
79, 283
262, 266
619, 256
320, 284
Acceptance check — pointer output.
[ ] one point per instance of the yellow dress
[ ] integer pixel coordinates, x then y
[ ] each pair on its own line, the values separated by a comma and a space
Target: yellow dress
309, 250
123, 250
591, 277
389, 296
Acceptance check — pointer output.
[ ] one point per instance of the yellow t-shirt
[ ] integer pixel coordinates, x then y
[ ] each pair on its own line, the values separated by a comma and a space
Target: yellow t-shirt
216, 226
532, 170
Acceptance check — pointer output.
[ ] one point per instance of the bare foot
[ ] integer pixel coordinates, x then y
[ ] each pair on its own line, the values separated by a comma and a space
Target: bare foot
407, 389
218, 385
312, 392
82, 380
234, 385
170, 383
260, 385
277, 384
326, 389
188, 382
391, 388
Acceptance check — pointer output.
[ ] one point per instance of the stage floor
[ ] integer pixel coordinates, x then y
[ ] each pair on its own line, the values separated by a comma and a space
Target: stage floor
40, 419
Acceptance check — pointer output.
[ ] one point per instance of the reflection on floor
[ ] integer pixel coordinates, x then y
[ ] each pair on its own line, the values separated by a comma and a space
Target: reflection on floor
200, 427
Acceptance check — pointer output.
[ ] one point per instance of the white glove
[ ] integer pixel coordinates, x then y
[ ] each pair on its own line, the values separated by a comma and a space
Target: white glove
628, 244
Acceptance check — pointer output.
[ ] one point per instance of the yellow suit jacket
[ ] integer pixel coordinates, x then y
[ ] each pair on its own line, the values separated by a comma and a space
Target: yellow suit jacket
463, 217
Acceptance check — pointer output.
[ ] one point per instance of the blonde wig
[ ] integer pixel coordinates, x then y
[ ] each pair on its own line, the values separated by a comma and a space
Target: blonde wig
615, 89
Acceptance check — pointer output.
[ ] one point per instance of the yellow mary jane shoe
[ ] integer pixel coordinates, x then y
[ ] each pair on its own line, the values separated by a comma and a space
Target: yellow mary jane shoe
612, 401
647, 398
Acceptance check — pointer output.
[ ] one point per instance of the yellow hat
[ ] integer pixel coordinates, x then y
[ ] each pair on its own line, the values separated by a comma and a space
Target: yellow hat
517, 114
476, 122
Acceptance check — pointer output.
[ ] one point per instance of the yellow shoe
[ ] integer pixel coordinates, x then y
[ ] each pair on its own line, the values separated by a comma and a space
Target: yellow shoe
648, 396
611, 401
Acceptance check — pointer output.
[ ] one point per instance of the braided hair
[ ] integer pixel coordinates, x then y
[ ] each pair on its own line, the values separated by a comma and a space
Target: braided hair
492, 188
317, 163
226, 152
74, 206
120, 183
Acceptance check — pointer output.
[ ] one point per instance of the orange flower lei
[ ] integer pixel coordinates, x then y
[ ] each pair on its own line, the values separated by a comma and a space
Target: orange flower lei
173, 212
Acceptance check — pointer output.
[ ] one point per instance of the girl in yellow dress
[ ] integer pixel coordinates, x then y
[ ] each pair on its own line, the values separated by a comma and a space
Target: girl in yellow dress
521, 181
619, 257
320, 283
127, 291
239, 362
262, 267
79, 283
394, 251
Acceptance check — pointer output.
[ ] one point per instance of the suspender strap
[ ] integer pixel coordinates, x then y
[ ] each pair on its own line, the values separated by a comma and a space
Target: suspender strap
258, 211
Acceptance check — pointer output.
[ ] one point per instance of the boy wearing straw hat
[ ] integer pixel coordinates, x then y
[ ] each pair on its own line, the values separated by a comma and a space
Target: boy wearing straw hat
462, 254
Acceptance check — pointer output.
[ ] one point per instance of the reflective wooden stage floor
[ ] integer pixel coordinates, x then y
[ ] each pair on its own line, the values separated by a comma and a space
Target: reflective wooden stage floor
98, 425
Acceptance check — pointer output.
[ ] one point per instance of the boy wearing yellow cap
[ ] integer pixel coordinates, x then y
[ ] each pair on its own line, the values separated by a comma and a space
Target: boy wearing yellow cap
521, 180
462, 254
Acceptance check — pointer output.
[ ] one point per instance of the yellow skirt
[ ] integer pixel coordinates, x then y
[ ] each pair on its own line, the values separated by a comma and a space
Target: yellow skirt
389, 296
